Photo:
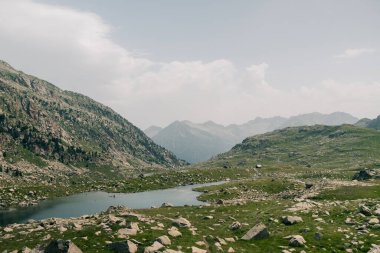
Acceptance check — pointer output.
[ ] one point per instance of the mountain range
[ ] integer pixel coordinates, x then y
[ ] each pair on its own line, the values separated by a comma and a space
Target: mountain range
199, 142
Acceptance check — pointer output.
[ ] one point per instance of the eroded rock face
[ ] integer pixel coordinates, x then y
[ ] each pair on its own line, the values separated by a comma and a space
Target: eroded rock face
260, 231
62, 246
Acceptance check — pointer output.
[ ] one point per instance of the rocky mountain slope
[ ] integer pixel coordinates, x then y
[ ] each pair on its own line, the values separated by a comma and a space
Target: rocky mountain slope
44, 129
199, 142
306, 148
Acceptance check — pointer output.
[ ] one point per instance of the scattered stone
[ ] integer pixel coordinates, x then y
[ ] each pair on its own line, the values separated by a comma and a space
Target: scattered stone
125, 232
260, 231
296, 240
365, 210
374, 249
291, 220
197, 250
373, 221
209, 217
164, 240
181, 222
174, 232
156, 246
235, 225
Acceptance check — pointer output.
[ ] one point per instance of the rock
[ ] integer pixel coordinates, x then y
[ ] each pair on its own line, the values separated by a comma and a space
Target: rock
377, 212
373, 221
174, 232
181, 222
8, 229
365, 210
308, 185
62, 246
220, 202
167, 205
366, 174
197, 250
172, 251
230, 250
296, 240
235, 225
156, 246
209, 217
260, 231
258, 166
290, 220
123, 247
125, 232
164, 240
26, 250
374, 249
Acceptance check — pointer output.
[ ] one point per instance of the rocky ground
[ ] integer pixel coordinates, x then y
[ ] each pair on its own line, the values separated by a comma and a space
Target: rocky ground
260, 214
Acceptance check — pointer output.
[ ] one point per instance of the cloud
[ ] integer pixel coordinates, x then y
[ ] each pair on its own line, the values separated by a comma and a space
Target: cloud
75, 50
354, 53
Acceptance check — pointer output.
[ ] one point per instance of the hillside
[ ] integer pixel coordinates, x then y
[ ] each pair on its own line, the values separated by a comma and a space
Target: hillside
42, 126
199, 142
309, 147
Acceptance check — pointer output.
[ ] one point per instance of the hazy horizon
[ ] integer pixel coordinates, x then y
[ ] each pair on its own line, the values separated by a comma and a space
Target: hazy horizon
228, 62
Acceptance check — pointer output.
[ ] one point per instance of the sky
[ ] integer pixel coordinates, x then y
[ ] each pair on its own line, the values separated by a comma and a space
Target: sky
155, 62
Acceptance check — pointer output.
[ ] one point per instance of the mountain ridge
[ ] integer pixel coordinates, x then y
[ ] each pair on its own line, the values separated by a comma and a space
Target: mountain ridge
227, 136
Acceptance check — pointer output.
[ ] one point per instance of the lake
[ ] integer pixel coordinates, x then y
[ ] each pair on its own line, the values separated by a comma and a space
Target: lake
94, 202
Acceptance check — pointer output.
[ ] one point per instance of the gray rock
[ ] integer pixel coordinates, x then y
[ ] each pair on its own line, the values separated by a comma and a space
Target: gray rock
235, 225
62, 246
291, 220
164, 240
181, 222
296, 240
366, 174
123, 247
365, 210
260, 231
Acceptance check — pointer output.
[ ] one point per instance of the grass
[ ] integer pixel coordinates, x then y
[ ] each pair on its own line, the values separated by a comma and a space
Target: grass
351, 193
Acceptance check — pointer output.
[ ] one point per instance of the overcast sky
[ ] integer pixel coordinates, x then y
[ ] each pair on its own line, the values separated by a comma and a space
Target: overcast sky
227, 61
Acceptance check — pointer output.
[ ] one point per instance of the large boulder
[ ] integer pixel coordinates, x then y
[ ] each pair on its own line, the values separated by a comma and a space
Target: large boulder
296, 240
181, 222
123, 247
260, 231
367, 174
62, 246
291, 220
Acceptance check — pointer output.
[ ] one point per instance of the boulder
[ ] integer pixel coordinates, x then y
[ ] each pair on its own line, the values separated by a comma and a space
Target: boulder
125, 232
374, 249
235, 225
62, 246
366, 174
260, 231
181, 222
365, 210
156, 246
123, 247
197, 250
164, 240
174, 232
291, 220
296, 240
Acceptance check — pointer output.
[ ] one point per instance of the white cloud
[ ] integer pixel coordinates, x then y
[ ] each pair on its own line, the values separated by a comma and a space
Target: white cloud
74, 50
354, 53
